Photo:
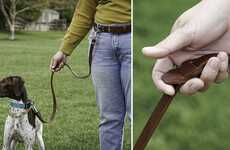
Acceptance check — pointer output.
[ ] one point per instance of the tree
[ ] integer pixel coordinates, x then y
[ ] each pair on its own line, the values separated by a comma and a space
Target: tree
2, 22
13, 8
65, 7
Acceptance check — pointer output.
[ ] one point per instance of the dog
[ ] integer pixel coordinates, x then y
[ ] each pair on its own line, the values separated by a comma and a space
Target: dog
22, 125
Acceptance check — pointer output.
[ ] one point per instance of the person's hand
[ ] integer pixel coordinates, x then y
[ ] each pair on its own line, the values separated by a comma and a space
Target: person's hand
216, 70
203, 29
58, 61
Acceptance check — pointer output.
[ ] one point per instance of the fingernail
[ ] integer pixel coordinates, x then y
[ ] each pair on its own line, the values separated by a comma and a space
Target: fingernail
145, 50
170, 91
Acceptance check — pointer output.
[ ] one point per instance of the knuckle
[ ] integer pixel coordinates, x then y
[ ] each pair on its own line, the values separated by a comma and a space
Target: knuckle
223, 56
185, 91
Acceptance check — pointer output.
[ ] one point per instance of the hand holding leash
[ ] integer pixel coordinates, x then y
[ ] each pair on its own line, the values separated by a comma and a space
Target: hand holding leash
58, 61
201, 30
175, 77
195, 34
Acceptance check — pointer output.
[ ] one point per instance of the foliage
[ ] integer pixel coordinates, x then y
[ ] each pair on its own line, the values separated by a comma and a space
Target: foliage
65, 7
76, 124
29, 10
192, 122
12, 10
2, 21
34, 15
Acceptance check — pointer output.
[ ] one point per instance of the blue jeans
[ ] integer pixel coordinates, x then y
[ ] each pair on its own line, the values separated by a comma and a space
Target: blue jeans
111, 75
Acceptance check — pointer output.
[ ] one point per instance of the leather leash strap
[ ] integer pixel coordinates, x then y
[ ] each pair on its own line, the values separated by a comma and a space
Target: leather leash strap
76, 75
153, 122
54, 110
176, 77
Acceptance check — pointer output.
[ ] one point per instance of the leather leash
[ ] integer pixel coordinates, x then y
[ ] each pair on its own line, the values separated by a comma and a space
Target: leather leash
54, 110
76, 75
175, 77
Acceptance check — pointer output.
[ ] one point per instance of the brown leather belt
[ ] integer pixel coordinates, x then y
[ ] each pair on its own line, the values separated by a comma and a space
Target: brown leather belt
118, 29
175, 77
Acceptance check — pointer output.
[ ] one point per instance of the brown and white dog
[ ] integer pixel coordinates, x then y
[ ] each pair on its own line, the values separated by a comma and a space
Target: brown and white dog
21, 124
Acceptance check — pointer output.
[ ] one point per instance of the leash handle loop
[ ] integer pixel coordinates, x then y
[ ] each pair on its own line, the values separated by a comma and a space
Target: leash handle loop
90, 59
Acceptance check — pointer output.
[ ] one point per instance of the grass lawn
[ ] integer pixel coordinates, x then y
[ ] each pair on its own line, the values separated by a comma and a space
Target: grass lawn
76, 123
199, 122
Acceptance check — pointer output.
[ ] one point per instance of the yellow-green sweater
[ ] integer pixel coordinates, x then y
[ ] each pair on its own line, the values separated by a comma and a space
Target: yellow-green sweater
89, 11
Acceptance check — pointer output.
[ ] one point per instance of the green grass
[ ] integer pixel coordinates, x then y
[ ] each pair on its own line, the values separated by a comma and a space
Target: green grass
199, 122
76, 123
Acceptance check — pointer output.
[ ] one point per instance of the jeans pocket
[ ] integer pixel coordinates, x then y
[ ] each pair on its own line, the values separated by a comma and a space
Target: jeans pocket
103, 52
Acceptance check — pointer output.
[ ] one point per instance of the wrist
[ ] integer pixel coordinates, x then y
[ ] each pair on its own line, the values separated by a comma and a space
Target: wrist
63, 53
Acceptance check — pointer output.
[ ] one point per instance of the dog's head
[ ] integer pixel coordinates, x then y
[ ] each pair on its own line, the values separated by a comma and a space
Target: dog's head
13, 87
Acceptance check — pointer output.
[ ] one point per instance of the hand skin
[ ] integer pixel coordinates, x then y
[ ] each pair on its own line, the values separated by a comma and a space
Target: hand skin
58, 61
203, 29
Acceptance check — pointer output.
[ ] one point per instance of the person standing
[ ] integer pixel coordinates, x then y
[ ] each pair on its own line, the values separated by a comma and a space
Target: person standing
110, 24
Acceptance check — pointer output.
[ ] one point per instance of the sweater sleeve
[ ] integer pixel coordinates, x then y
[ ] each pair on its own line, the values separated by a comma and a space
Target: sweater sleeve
80, 25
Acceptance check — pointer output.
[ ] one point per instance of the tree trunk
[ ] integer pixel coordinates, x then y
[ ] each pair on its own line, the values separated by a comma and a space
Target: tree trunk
12, 32
10, 18
5, 14
13, 19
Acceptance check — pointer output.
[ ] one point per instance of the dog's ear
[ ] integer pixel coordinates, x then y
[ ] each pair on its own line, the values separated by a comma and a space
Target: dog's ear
24, 94
19, 90
31, 118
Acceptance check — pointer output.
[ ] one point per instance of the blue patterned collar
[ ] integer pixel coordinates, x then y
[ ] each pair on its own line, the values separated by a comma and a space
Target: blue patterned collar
20, 105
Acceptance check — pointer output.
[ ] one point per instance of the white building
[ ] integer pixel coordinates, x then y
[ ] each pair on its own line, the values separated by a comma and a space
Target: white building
45, 21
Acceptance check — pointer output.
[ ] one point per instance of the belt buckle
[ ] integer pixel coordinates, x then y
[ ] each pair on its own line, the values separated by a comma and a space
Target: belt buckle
100, 28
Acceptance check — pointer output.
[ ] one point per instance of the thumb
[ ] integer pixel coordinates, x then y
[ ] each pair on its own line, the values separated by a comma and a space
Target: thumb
177, 40
54, 64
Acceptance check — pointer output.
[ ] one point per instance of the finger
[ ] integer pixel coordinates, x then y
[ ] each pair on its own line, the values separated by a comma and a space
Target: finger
161, 67
223, 72
54, 64
51, 63
57, 69
61, 64
175, 41
210, 72
192, 86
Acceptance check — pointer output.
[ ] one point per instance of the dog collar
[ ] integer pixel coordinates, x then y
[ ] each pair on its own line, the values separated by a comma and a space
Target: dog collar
15, 104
